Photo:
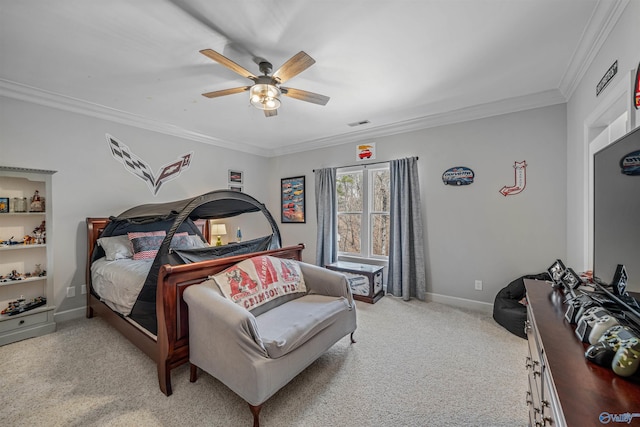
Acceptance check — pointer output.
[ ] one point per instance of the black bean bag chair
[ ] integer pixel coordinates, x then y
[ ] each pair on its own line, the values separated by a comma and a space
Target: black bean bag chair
508, 309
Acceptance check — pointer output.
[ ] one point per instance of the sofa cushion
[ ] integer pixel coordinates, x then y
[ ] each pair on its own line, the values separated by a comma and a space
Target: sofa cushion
258, 280
290, 325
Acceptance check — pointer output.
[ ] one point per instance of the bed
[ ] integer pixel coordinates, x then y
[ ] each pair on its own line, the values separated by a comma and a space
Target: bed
156, 321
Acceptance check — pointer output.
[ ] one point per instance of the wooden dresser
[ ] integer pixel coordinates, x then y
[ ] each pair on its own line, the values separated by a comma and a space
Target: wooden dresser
564, 388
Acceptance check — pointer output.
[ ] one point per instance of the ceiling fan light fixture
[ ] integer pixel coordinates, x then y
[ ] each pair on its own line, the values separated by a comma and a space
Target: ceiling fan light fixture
265, 96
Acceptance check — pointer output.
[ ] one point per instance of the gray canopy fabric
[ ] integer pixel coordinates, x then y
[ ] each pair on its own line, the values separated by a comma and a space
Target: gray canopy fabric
178, 215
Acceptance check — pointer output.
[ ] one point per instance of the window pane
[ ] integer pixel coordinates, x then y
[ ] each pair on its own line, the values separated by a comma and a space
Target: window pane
349, 192
380, 202
349, 232
380, 234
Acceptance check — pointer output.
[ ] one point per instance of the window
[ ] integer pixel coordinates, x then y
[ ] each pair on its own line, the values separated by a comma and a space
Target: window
363, 211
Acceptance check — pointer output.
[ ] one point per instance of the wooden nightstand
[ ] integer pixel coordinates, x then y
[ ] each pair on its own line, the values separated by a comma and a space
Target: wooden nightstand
365, 279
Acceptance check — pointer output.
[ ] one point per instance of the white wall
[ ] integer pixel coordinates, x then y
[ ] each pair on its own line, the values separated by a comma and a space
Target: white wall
472, 232
621, 45
90, 183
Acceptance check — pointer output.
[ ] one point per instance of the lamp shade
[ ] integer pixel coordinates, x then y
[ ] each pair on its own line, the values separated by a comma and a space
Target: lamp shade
218, 229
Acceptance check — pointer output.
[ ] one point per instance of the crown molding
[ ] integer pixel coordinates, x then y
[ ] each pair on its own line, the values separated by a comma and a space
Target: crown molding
601, 23
53, 100
62, 102
481, 111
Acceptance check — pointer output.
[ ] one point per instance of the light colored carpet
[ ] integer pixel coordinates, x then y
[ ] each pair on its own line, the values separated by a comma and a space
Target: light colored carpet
414, 364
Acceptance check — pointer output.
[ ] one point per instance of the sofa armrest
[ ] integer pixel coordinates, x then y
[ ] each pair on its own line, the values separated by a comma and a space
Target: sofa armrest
227, 324
322, 281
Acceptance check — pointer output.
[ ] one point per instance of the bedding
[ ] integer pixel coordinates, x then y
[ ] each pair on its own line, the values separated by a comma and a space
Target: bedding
119, 282
116, 247
146, 245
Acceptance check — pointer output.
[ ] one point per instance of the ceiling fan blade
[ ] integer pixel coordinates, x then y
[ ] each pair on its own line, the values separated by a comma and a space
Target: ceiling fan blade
212, 54
226, 92
270, 113
303, 95
294, 66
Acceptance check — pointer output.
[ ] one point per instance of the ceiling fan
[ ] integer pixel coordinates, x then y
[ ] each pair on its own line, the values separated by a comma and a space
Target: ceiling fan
265, 93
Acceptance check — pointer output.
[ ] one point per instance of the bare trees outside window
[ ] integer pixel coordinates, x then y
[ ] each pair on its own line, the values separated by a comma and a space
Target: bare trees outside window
363, 211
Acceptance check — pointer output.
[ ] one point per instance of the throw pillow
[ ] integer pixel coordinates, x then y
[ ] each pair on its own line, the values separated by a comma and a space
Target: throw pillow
146, 245
258, 280
187, 241
116, 247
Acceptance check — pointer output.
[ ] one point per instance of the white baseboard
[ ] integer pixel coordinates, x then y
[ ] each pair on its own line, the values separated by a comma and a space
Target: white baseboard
74, 313
483, 307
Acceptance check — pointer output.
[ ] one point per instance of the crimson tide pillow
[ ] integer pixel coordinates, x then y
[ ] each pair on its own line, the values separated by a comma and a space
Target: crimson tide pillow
258, 280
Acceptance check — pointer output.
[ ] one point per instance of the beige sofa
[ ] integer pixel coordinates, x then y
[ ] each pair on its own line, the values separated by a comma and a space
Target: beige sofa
256, 353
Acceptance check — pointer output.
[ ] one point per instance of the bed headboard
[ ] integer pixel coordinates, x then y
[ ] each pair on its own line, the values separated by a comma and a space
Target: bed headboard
95, 227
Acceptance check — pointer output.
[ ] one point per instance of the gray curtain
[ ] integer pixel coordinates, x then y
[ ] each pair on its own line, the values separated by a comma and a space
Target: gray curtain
407, 273
326, 249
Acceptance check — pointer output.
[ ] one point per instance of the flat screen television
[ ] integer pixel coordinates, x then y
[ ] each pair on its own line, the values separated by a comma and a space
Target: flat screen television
617, 210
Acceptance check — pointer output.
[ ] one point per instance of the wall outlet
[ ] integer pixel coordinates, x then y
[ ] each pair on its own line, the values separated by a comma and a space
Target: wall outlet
478, 285
83, 289
71, 291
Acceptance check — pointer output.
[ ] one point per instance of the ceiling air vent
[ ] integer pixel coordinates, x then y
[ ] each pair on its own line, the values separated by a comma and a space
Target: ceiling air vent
363, 122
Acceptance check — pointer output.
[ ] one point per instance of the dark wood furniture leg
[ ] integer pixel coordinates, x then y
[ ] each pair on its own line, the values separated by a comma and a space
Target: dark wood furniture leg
255, 410
193, 373
353, 341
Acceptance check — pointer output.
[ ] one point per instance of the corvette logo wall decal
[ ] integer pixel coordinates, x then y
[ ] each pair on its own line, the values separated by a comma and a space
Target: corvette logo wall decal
520, 180
142, 170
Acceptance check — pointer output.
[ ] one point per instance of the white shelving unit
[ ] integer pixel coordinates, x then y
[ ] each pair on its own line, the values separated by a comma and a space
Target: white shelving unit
25, 258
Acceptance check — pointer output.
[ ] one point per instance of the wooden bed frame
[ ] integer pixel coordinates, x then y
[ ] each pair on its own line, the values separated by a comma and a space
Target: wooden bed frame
170, 348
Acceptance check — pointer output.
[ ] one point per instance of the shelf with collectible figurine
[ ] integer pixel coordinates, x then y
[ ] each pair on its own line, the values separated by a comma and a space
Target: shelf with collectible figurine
26, 254
37, 238
21, 305
15, 277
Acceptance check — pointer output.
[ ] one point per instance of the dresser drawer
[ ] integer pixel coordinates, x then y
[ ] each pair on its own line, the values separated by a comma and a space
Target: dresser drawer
15, 324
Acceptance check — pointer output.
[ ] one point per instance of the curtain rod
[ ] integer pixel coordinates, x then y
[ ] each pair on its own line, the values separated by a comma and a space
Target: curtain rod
363, 164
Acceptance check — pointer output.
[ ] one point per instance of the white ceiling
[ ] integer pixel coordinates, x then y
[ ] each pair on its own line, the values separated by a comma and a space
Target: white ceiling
400, 64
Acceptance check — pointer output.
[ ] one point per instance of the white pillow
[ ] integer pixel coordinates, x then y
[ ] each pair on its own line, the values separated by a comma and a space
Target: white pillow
116, 247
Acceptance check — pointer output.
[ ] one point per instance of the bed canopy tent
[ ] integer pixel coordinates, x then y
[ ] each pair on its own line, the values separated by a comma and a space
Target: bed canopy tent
179, 216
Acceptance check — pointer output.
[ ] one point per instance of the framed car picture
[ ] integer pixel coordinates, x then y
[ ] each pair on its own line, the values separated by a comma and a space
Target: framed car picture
292, 197
235, 177
4, 204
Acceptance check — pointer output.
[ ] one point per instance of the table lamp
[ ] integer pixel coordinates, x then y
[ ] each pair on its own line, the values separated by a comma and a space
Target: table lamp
218, 230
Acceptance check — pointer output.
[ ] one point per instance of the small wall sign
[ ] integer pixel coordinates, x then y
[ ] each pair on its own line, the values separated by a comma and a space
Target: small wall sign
520, 178
366, 151
630, 164
459, 175
606, 79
